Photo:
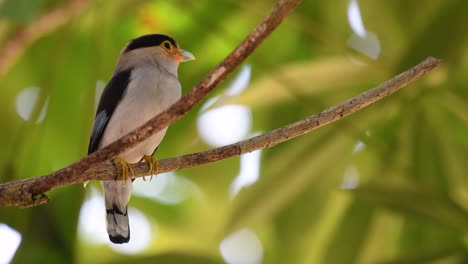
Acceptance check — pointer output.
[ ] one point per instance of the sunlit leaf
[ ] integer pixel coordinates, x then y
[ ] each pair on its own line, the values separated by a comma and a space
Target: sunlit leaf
307, 79
349, 235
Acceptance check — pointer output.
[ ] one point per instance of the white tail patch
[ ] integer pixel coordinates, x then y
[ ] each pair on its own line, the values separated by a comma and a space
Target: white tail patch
116, 196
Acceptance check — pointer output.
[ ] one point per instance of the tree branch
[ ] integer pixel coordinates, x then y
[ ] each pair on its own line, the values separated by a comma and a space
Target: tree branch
272, 138
30, 192
277, 136
14, 48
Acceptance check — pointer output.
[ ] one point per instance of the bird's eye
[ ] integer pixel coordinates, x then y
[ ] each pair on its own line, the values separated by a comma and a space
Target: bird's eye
167, 45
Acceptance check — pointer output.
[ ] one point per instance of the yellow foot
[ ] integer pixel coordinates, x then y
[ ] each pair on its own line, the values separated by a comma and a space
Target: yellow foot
85, 183
126, 168
153, 163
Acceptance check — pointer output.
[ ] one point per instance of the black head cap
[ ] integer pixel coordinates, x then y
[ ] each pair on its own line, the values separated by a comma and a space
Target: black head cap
149, 40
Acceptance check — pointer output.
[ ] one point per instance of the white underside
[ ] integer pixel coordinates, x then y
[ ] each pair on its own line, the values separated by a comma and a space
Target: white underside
147, 95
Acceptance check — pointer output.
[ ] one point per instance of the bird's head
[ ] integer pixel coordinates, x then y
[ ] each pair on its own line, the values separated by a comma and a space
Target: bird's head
155, 47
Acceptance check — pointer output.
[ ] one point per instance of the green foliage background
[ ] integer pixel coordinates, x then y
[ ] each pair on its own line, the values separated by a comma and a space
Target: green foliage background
411, 202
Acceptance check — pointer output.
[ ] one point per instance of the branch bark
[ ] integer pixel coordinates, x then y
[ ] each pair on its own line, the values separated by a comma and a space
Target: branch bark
30, 192
277, 136
267, 140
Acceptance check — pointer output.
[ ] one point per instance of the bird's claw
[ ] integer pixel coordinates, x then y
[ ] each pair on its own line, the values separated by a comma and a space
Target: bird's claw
126, 168
153, 164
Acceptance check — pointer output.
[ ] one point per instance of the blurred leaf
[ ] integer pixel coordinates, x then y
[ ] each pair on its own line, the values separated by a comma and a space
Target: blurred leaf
170, 258
19, 11
260, 202
306, 79
305, 213
349, 234
451, 14
439, 255
451, 117
49, 236
426, 166
414, 199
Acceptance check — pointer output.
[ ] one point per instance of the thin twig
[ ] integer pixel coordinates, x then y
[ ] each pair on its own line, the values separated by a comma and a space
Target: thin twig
31, 192
108, 172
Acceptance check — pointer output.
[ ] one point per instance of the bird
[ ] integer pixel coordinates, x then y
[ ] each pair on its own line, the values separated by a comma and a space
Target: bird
143, 84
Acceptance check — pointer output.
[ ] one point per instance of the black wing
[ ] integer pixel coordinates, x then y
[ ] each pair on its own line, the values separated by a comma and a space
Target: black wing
111, 96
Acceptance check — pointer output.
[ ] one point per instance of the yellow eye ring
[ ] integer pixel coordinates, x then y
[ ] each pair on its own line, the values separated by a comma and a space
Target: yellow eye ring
166, 45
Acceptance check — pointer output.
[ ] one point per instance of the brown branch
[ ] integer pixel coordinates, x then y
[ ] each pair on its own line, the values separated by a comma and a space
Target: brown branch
24, 193
272, 138
108, 172
14, 48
